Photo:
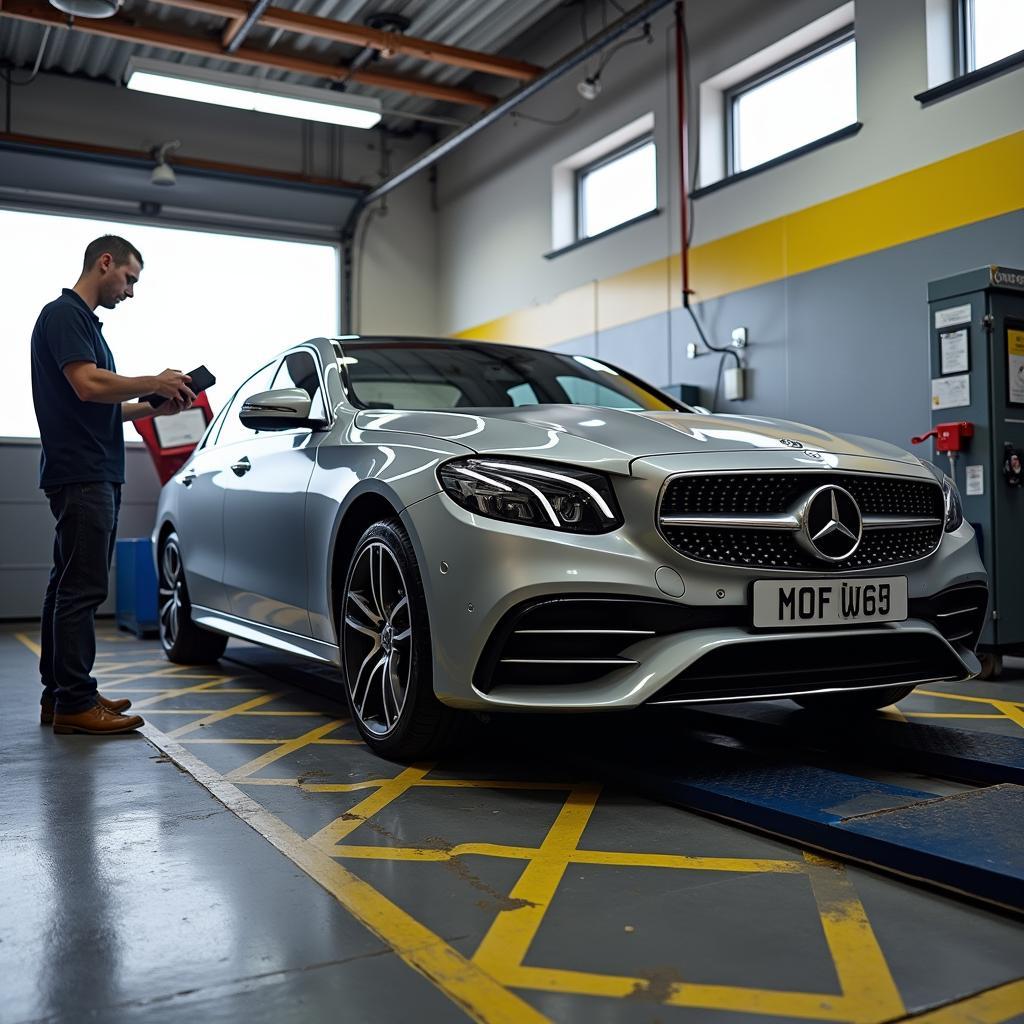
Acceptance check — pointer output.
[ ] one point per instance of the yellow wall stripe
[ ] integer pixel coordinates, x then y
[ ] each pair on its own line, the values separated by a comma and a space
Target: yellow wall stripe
972, 186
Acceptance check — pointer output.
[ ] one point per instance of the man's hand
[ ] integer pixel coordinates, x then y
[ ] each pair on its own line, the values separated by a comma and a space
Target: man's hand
171, 384
173, 406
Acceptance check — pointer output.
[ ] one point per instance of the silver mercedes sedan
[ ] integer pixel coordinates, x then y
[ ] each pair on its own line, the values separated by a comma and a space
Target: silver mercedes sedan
464, 527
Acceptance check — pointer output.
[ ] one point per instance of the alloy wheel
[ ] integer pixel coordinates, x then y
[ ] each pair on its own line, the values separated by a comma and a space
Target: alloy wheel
172, 584
377, 638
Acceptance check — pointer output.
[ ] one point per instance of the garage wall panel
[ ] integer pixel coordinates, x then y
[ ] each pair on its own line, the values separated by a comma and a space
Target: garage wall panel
844, 347
495, 192
26, 525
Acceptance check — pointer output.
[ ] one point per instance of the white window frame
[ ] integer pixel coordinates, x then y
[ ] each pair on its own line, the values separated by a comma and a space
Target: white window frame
581, 175
966, 59
713, 125
734, 94
564, 195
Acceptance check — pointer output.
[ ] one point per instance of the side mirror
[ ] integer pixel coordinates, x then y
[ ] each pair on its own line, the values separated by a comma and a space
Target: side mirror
282, 409
701, 410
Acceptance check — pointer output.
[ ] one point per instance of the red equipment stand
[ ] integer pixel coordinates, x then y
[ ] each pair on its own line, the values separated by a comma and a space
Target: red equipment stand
172, 439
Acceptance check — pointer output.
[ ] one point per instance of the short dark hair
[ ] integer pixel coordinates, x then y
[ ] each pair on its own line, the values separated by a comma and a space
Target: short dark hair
120, 248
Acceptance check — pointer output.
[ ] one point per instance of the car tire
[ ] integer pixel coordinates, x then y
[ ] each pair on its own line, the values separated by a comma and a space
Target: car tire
386, 661
183, 641
856, 701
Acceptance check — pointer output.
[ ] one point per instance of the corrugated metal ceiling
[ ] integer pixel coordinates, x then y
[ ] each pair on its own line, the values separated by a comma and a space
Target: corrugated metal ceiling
484, 25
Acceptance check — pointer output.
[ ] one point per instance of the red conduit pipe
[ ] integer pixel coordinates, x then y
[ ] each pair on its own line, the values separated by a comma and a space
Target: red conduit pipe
684, 158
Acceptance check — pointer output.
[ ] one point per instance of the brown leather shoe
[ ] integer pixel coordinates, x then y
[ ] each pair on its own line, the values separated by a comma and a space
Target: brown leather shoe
120, 706
97, 721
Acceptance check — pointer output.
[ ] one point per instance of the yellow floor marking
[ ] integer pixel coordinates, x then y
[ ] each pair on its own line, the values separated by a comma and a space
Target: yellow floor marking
286, 748
495, 784
946, 714
219, 716
192, 740
389, 790
164, 689
474, 991
289, 714
1011, 710
992, 1007
181, 711
869, 991
172, 692
892, 711
964, 696
623, 859
508, 939
313, 787
240, 714
803, 1005
29, 643
668, 860
270, 742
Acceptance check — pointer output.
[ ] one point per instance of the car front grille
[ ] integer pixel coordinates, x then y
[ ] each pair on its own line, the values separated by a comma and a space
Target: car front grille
743, 496
802, 664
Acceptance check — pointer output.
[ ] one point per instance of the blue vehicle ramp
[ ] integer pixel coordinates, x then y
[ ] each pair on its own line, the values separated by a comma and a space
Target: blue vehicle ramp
770, 769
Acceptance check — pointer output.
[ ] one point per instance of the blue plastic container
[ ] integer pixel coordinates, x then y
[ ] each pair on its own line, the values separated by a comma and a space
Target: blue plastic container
136, 596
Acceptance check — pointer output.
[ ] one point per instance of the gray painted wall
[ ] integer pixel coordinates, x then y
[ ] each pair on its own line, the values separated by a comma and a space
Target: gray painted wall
494, 221
843, 347
26, 526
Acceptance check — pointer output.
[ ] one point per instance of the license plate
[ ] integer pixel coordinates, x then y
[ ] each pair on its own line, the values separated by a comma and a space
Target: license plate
829, 602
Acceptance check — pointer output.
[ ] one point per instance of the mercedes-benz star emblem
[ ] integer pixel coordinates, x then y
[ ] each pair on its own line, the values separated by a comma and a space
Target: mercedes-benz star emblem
830, 524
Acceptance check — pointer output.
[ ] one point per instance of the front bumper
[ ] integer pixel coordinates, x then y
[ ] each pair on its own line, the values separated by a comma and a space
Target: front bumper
478, 572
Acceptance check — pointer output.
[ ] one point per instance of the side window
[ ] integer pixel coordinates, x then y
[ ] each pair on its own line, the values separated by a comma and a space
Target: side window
522, 394
298, 370
232, 429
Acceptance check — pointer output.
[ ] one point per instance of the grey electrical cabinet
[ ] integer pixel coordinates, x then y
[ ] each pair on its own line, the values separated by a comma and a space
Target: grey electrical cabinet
976, 337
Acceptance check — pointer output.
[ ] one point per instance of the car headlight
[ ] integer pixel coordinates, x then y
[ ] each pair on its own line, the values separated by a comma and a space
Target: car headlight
954, 509
544, 495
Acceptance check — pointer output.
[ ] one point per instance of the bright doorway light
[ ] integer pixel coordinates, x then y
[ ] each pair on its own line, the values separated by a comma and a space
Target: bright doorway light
231, 302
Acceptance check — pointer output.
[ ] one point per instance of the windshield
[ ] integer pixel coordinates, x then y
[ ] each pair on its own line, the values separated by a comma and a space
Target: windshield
460, 375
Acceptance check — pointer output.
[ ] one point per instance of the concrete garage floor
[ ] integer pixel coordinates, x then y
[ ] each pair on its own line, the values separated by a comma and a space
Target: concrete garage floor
286, 874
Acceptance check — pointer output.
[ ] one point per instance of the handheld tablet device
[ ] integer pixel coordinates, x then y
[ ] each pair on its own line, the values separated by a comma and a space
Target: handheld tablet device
201, 380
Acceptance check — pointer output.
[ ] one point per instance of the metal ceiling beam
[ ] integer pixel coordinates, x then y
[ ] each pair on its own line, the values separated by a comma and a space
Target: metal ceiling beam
123, 29
238, 36
144, 158
634, 18
362, 35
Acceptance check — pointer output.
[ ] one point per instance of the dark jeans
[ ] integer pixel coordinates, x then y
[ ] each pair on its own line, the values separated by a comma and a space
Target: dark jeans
86, 517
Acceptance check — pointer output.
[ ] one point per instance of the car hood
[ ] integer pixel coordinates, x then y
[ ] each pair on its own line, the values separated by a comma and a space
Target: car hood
592, 435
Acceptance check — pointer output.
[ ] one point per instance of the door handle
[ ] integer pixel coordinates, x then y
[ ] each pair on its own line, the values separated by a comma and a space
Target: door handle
242, 466
186, 480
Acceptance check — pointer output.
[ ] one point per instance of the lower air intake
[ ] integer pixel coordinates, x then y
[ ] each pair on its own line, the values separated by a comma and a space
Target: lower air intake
790, 665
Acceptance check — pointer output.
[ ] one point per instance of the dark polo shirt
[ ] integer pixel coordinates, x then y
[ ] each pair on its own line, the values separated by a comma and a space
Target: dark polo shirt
83, 442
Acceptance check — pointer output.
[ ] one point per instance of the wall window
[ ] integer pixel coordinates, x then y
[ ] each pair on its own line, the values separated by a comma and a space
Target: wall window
617, 188
990, 30
805, 98
229, 301
611, 181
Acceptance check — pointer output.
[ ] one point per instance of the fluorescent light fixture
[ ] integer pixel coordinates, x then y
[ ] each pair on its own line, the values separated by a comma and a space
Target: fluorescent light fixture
244, 92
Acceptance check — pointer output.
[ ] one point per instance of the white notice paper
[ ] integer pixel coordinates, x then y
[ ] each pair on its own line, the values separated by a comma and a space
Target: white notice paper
185, 428
975, 480
953, 315
1015, 365
951, 392
954, 352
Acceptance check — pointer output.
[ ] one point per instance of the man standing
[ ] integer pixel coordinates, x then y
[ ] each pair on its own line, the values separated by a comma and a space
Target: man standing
81, 402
